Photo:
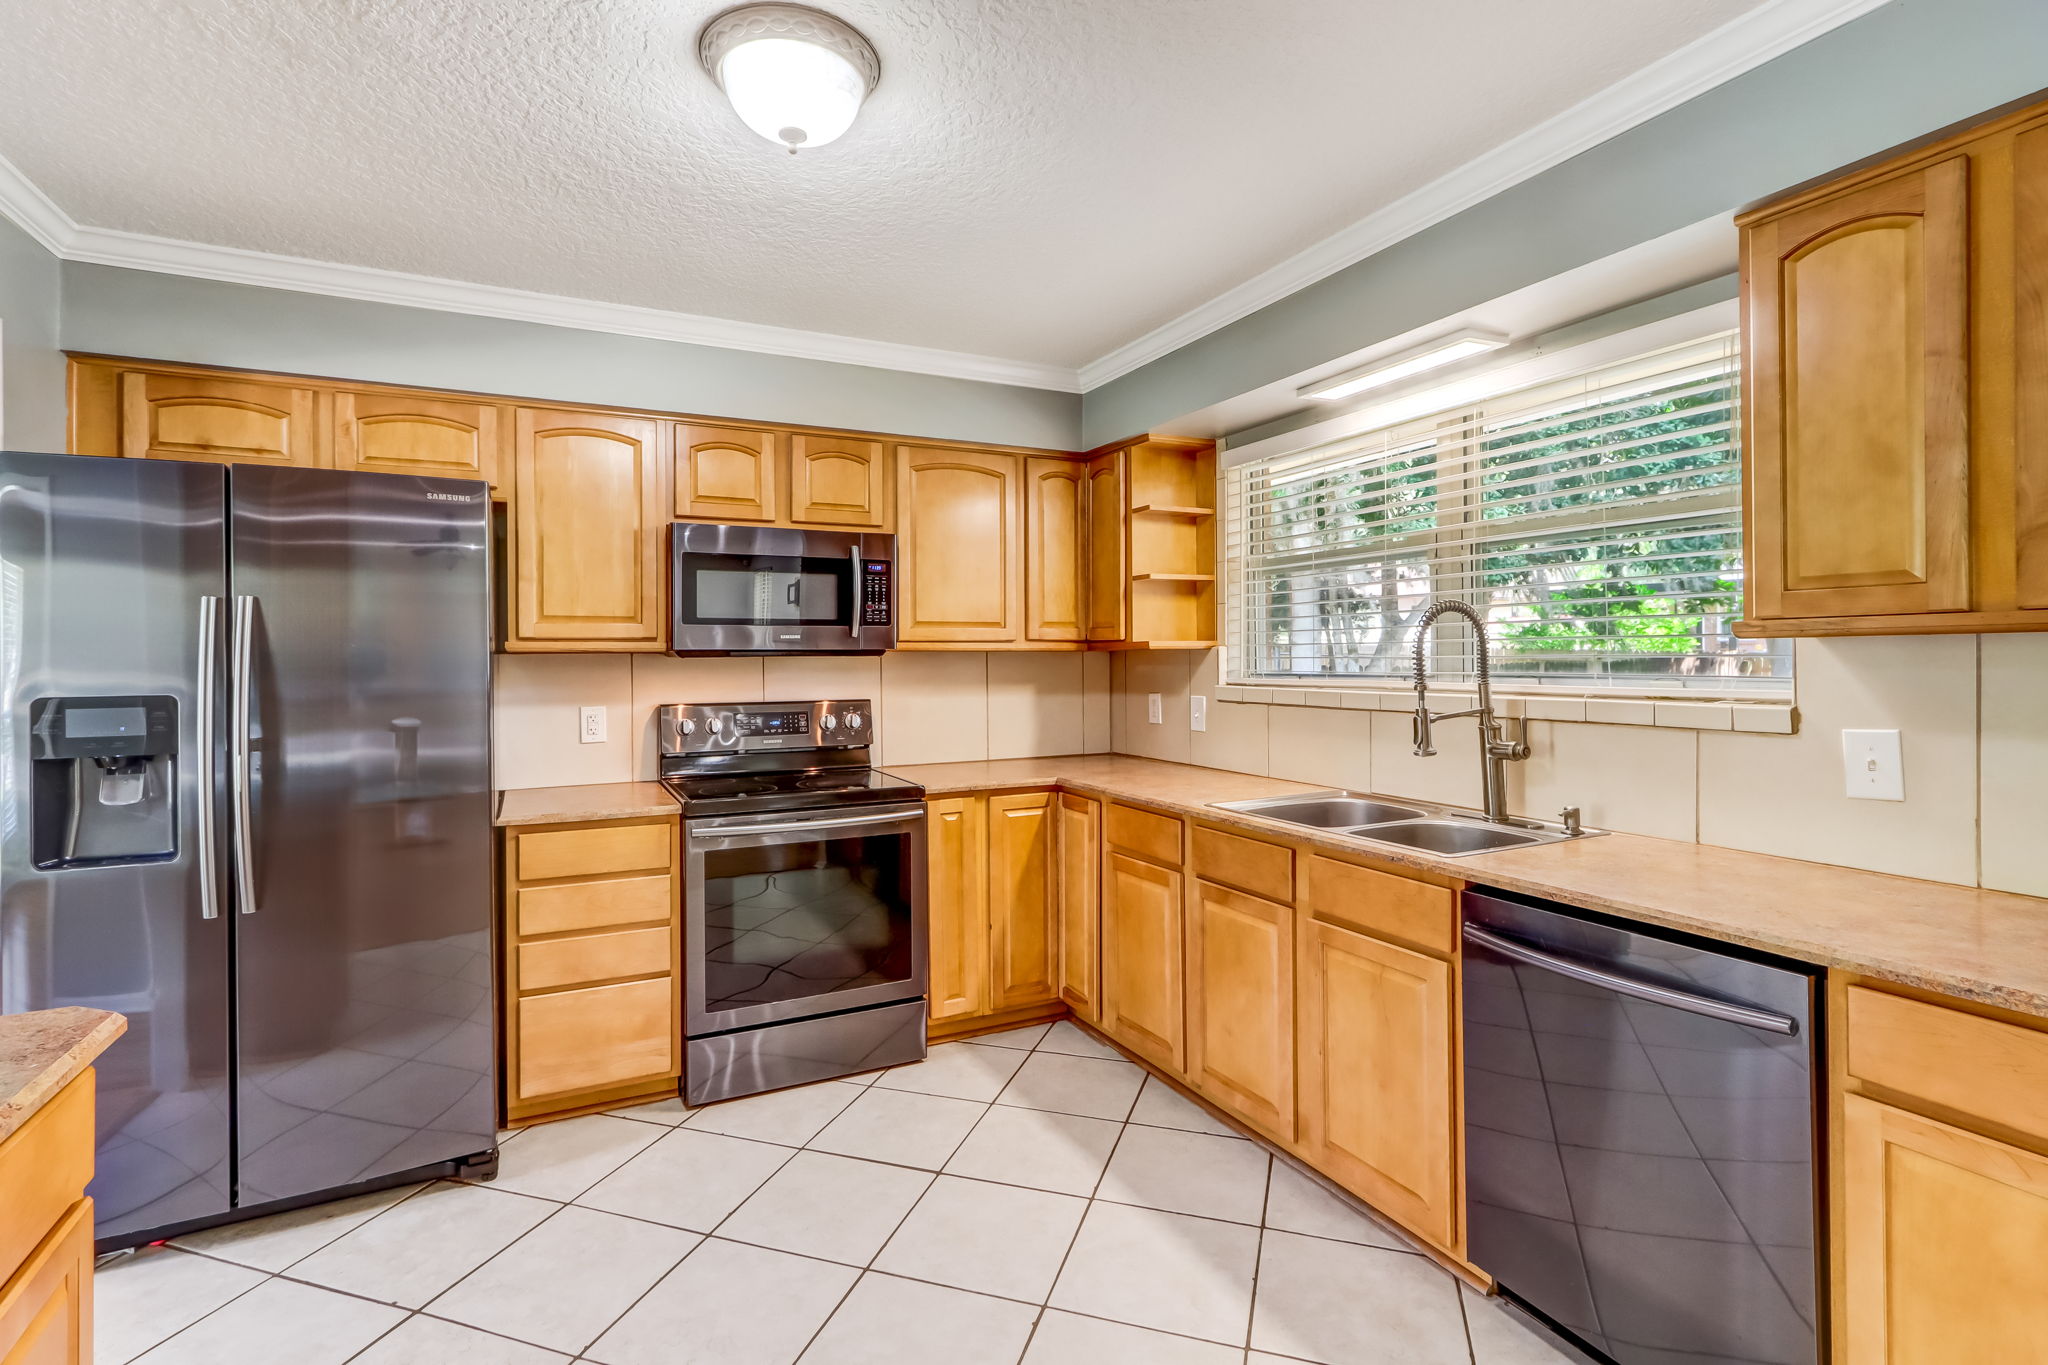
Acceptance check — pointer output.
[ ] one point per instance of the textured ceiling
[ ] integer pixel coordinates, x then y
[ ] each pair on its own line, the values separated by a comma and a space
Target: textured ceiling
1035, 179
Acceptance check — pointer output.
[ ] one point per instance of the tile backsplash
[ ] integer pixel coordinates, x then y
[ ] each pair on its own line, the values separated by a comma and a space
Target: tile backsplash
931, 707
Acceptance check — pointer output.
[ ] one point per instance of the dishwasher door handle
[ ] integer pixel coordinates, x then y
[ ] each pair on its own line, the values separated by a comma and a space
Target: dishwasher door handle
1746, 1015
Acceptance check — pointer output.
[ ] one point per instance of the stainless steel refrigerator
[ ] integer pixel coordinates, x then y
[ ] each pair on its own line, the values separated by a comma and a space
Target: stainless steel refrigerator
247, 804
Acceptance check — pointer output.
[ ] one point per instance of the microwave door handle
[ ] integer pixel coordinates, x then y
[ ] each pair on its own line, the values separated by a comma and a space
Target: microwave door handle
853, 617
1747, 1016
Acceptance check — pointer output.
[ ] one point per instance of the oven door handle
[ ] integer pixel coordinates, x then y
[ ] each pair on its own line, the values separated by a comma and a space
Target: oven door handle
724, 831
1747, 1016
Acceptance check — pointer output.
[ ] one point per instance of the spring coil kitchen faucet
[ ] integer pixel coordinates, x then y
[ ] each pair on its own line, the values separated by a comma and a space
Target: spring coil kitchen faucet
1496, 750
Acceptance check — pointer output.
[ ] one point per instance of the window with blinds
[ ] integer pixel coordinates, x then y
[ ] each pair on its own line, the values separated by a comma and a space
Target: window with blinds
1596, 523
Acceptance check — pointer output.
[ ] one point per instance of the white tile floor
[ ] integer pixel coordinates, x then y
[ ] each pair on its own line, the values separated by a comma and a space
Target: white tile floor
1028, 1197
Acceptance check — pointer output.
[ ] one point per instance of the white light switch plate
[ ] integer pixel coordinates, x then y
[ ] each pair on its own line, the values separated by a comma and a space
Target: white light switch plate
1871, 768
590, 724
1198, 713
1155, 708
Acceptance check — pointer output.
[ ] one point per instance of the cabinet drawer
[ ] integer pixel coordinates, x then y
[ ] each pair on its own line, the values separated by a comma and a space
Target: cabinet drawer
1982, 1067
593, 852
44, 1167
1248, 864
1384, 905
603, 1036
593, 957
1141, 832
593, 905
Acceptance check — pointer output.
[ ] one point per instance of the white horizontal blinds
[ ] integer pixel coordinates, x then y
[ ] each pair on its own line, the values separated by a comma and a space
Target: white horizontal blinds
1595, 522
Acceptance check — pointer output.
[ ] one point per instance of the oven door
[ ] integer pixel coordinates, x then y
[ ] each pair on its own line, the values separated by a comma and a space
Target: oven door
802, 913
771, 589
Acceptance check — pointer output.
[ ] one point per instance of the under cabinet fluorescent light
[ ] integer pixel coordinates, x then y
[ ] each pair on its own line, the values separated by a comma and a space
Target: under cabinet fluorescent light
1444, 350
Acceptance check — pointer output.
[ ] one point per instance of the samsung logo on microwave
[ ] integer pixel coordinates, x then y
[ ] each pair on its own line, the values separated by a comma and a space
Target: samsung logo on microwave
451, 497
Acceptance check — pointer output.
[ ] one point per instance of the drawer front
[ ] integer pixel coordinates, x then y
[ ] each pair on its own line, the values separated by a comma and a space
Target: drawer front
1982, 1067
593, 905
1141, 832
1248, 864
546, 854
594, 957
44, 1167
1384, 905
602, 1036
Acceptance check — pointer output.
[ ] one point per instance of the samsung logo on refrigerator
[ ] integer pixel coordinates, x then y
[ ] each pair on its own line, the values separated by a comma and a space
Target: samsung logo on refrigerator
451, 497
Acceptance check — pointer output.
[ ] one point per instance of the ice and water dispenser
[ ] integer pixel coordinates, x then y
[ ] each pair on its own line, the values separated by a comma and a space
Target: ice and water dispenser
105, 771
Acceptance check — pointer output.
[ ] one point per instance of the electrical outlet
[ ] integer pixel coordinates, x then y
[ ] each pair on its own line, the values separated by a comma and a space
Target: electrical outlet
1871, 767
1155, 708
1198, 712
591, 724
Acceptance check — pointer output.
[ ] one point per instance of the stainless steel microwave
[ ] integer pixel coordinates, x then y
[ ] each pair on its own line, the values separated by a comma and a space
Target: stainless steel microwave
779, 590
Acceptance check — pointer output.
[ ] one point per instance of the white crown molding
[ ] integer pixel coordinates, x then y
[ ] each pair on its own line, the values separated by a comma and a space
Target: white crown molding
1736, 47
50, 225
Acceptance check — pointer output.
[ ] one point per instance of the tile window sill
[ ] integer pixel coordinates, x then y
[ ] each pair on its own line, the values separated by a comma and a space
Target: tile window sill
1746, 717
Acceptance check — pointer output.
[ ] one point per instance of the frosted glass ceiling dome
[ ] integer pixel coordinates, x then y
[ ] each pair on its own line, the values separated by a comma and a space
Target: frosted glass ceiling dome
795, 75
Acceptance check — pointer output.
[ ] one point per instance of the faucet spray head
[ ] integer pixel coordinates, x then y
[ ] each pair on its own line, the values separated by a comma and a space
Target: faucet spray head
1424, 748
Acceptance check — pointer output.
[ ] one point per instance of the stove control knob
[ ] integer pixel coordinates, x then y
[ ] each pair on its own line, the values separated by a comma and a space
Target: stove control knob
718, 725
855, 720
687, 726
828, 722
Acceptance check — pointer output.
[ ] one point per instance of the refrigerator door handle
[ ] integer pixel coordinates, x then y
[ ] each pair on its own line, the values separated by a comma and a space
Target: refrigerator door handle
245, 686
209, 705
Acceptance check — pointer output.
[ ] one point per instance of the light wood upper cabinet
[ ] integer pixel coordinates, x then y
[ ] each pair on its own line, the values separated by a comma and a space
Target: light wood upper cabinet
1055, 552
961, 555
1240, 965
395, 433
219, 421
2030, 370
1142, 983
1944, 1235
1857, 388
589, 522
956, 842
838, 481
1080, 904
1378, 1077
1108, 550
725, 473
1023, 911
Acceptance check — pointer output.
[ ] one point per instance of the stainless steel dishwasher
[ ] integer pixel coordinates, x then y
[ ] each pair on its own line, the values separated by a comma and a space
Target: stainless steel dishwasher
1641, 1134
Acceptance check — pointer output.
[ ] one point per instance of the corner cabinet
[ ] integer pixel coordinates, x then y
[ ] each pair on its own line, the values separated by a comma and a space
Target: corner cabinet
589, 524
960, 567
1895, 393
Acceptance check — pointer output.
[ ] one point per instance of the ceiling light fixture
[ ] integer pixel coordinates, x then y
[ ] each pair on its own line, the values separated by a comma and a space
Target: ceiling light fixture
795, 75
1445, 350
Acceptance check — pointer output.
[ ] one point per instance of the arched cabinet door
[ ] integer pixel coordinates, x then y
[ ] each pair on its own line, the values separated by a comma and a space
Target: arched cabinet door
588, 521
1055, 551
725, 473
1857, 390
396, 433
838, 481
218, 421
960, 560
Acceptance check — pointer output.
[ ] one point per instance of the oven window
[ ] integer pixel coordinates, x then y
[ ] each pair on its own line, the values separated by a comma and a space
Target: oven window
799, 920
766, 590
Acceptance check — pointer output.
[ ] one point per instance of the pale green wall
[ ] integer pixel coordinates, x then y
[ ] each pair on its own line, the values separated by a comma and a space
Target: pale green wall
1893, 75
169, 317
31, 370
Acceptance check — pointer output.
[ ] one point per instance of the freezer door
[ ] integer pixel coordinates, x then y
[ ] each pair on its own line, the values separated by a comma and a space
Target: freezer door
106, 569
359, 728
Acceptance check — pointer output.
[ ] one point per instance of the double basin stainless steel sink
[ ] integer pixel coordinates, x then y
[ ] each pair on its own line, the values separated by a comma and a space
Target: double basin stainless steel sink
1443, 830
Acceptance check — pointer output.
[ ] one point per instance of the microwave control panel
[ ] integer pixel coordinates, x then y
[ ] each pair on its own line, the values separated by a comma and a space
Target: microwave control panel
874, 592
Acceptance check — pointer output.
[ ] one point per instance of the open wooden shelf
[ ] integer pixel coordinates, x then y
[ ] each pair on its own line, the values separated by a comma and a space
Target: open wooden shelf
1160, 509
1173, 578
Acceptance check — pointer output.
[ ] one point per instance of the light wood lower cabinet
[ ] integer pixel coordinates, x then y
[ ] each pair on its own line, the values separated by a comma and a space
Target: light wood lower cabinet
1080, 901
1240, 1013
956, 896
1378, 1074
593, 967
992, 905
46, 1232
1142, 968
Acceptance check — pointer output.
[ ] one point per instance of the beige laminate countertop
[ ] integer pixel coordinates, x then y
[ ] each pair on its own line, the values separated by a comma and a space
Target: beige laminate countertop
1987, 946
600, 801
42, 1050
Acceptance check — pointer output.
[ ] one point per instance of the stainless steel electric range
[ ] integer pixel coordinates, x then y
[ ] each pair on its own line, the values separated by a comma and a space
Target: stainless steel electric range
804, 896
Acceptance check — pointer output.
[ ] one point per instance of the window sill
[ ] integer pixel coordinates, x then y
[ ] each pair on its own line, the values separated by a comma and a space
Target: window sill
1778, 717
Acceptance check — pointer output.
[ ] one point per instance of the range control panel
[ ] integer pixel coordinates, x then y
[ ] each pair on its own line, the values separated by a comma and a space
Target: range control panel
757, 726
874, 592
